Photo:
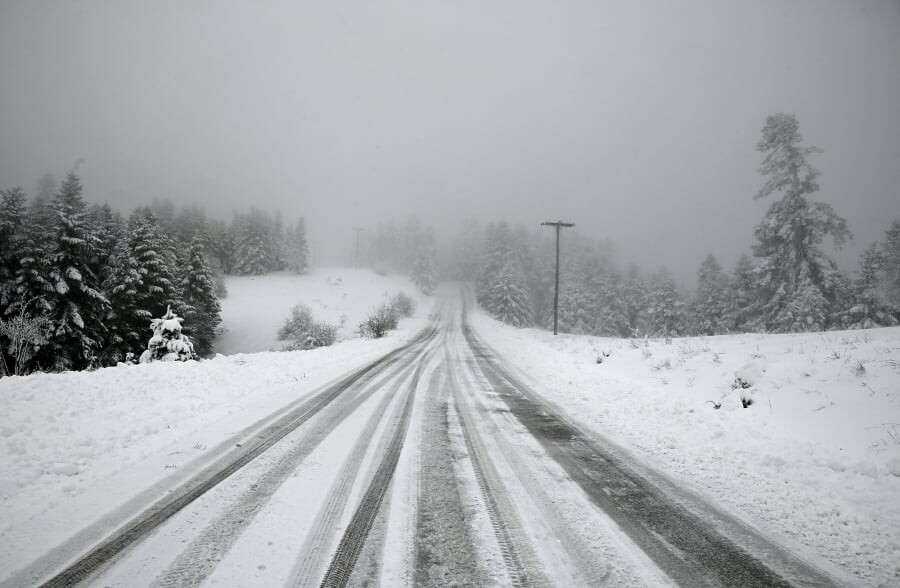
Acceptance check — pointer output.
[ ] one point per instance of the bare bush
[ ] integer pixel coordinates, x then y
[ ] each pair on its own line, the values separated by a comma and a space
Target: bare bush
380, 321
23, 334
403, 304
303, 331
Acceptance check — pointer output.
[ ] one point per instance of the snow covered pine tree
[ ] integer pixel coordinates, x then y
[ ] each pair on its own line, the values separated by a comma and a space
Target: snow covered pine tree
796, 282
167, 342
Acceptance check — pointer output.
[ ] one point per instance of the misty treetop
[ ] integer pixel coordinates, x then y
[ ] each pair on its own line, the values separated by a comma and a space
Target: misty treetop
788, 285
797, 285
407, 248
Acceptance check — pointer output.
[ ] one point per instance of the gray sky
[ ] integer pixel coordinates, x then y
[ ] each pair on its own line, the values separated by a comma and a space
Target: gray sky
636, 120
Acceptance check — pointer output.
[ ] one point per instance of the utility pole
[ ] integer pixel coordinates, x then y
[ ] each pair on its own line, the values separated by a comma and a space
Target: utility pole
559, 226
358, 231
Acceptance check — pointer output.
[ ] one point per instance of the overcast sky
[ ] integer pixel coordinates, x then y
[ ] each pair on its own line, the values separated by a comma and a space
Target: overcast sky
637, 120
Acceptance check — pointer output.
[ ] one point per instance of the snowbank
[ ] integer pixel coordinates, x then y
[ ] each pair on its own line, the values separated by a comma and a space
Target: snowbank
813, 459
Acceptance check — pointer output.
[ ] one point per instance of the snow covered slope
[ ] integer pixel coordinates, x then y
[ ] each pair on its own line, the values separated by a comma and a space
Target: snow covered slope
256, 306
814, 460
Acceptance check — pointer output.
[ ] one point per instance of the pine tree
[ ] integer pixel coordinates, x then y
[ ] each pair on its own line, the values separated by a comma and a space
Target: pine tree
77, 304
501, 285
202, 310
153, 254
508, 299
190, 221
664, 314
491, 263
221, 246
711, 307
742, 292
423, 273
610, 318
634, 299
253, 247
796, 283
13, 209
467, 251
128, 315
109, 226
168, 342
890, 255
277, 244
297, 249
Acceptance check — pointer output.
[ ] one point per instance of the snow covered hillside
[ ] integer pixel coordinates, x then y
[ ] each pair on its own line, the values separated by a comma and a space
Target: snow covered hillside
814, 460
256, 306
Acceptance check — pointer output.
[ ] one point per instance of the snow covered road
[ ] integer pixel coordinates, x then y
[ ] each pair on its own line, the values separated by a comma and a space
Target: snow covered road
432, 465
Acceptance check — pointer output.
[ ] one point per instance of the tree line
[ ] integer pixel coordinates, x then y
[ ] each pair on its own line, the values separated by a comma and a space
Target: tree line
407, 248
788, 284
80, 284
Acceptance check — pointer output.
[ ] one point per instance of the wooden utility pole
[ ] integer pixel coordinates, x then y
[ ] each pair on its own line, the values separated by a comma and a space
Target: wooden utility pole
358, 231
559, 226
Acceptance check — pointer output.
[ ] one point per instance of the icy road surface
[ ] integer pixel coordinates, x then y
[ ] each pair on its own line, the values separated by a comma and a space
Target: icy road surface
433, 465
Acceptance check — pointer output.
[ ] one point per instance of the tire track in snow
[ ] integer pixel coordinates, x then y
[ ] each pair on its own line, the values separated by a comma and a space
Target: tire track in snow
587, 563
514, 547
160, 511
444, 550
354, 537
205, 551
315, 548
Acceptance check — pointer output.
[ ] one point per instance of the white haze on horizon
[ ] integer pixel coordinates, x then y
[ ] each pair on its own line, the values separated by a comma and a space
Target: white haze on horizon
637, 121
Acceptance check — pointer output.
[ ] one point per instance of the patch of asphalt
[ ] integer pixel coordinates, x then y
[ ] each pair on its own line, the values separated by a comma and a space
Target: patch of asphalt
688, 549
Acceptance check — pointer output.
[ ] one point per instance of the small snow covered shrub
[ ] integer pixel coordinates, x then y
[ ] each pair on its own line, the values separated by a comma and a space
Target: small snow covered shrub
380, 321
403, 304
167, 343
303, 331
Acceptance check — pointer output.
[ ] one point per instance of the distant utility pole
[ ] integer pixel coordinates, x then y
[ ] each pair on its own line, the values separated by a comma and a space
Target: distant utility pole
559, 226
358, 231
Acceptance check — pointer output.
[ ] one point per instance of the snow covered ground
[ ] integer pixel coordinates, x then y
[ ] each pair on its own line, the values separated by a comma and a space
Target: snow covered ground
256, 306
814, 461
73, 445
